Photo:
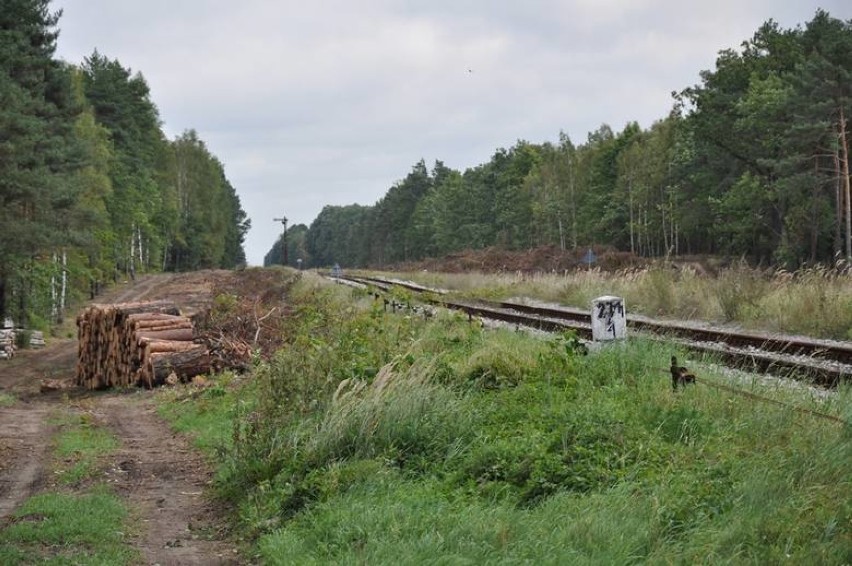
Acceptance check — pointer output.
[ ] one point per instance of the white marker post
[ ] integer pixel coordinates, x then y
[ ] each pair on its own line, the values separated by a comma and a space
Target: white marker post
609, 319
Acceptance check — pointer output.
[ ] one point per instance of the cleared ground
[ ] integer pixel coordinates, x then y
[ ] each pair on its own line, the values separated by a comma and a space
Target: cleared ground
159, 475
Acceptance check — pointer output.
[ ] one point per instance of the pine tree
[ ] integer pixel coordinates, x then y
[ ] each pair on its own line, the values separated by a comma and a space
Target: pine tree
38, 152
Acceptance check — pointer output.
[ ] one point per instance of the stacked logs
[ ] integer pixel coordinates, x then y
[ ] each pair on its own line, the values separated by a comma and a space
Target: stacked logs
37, 339
136, 344
7, 343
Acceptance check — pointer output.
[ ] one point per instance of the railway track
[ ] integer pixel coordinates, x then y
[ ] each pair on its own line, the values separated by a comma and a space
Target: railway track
823, 362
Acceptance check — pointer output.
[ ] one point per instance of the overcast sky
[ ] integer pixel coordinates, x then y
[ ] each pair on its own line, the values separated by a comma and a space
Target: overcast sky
331, 102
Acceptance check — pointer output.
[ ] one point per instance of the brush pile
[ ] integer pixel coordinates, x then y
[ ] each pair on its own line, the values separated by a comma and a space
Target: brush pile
136, 344
245, 318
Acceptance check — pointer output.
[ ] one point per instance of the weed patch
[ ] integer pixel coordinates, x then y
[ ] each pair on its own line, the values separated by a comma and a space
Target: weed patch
206, 415
79, 446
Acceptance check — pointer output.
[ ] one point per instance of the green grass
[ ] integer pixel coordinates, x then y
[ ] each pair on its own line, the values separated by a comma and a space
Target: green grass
205, 415
85, 526
602, 470
389, 520
56, 528
79, 447
378, 438
7, 399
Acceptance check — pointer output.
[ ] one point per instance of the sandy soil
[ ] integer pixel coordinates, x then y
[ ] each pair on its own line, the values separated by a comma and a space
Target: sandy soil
24, 438
162, 478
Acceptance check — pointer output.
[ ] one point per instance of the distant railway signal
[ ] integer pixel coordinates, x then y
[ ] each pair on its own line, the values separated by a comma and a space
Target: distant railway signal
283, 221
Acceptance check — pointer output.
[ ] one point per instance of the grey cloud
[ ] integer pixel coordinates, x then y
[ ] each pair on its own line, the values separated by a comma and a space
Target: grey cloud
331, 102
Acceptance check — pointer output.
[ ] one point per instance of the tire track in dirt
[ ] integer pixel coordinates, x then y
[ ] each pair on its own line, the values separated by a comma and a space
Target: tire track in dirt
163, 480
22, 374
138, 290
160, 476
24, 440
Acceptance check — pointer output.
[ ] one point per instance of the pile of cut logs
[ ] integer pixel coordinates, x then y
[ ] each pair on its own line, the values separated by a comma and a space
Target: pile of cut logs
37, 339
7, 343
136, 344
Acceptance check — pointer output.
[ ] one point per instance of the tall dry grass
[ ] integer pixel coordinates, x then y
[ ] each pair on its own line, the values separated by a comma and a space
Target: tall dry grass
815, 301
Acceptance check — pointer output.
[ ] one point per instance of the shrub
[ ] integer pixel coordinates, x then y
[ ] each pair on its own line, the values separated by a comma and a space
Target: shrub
22, 339
494, 367
739, 290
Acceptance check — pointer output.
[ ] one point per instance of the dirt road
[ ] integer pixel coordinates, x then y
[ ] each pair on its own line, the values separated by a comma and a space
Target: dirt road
162, 478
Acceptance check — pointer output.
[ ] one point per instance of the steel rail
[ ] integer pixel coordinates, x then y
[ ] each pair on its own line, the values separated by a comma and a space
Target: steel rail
826, 364
764, 399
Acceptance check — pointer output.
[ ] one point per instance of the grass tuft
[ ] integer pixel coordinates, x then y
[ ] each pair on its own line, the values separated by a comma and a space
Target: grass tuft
79, 446
206, 415
56, 528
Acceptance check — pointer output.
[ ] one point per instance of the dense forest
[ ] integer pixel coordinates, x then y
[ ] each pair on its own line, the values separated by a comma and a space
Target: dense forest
753, 161
90, 187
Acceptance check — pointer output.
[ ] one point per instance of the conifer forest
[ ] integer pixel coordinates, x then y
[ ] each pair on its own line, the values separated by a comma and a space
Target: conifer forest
751, 162
91, 189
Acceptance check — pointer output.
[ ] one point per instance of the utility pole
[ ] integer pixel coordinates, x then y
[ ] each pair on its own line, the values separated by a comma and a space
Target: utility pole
283, 220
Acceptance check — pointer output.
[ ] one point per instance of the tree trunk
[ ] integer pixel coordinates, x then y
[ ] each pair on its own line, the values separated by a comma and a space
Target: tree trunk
573, 216
64, 292
54, 307
838, 206
131, 269
815, 212
183, 334
141, 253
844, 162
630, 199
561, 235
23, 319
663, 221
2, 297
648, 245
672, 228
158, 322
186, 364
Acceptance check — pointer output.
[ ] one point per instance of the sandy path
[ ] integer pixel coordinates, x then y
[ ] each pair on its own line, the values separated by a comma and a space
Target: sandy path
161, 477
163, 480
24, 439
